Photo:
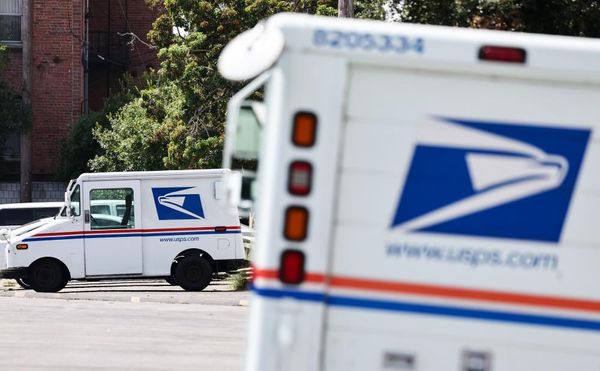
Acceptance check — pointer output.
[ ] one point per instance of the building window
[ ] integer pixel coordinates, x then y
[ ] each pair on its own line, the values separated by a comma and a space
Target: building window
10, 21
10, 149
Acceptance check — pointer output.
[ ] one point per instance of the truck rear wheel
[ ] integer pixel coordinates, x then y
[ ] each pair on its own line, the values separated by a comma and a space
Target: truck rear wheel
47, 276
193, 273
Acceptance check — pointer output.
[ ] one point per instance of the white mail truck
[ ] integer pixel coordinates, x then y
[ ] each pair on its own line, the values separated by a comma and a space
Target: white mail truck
428, 197
167, 224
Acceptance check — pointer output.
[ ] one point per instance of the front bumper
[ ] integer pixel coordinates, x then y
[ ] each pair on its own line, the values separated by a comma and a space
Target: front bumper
14, 273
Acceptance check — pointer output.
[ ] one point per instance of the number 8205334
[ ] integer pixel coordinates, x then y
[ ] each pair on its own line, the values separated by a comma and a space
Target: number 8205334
365, 41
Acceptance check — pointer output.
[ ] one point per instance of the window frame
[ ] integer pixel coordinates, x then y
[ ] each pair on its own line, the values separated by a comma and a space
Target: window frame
130, 221
19, 42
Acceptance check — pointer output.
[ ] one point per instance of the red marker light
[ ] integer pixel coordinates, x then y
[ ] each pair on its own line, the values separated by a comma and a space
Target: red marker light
291, 268
502, 54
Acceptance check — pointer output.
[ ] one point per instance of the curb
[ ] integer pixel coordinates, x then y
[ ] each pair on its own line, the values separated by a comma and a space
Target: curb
123, 298
218, 296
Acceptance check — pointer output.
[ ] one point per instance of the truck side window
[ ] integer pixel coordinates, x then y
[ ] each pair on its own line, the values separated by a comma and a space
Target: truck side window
112, 208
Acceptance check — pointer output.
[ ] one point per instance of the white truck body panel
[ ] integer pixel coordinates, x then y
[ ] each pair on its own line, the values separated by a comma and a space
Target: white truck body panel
454, 204
173, 211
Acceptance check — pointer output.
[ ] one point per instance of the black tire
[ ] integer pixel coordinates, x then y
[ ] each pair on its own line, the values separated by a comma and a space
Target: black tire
193, 273
47, 276
171, 281
24, 283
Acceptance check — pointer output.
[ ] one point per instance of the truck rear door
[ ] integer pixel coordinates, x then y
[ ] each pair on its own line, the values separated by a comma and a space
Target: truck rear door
464, 230
113, 244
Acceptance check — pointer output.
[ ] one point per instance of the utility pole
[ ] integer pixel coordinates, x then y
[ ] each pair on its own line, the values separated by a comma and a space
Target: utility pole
345, 9
26, 38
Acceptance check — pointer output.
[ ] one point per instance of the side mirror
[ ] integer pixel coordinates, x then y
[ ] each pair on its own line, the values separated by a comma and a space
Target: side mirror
69, 209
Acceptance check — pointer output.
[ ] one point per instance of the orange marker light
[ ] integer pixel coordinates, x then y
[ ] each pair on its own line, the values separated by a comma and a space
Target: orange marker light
304, 133
22, 246
296, 223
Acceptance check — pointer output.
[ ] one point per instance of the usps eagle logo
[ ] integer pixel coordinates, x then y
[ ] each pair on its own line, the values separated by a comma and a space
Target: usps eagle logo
493, 179
176, 203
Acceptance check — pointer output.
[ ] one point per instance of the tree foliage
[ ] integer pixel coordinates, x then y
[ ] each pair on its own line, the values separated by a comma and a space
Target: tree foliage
174, 118
562, 17
177, 122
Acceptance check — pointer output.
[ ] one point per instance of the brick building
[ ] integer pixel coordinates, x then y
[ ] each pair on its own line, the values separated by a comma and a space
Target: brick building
58, 96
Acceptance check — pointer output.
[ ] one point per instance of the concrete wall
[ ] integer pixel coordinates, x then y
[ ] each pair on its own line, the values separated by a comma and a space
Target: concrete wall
41, 192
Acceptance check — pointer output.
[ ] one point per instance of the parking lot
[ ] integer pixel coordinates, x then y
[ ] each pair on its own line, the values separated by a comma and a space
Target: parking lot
122, 324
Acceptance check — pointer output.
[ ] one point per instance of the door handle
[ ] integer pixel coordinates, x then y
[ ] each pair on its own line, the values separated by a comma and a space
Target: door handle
86, 216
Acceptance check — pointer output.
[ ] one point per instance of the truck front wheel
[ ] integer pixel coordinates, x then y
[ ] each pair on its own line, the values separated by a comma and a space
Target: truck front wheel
23, 283
193, 273
47, 276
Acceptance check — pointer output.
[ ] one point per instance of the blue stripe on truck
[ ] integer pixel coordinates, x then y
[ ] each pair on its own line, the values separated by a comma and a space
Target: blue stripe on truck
436, 310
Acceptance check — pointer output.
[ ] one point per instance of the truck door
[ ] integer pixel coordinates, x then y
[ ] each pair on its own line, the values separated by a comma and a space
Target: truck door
113, 243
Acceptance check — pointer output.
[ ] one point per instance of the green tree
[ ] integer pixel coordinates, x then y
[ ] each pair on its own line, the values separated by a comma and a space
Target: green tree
182, 108
562, 17
139, 131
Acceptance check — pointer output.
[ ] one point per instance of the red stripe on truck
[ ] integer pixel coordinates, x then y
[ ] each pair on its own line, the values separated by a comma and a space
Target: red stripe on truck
55, 234
448, 292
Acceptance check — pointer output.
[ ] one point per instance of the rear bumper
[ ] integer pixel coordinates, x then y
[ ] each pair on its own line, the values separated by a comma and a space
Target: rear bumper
230, 265
14, 273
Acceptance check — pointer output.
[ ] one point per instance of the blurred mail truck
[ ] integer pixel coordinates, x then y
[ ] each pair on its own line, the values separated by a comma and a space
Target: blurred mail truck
428, 197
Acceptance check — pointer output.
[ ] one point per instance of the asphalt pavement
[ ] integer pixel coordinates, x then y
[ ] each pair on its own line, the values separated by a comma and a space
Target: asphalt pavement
123, 325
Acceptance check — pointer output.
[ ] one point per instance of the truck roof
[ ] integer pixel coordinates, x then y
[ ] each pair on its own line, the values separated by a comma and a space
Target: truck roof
575, 59
171, 174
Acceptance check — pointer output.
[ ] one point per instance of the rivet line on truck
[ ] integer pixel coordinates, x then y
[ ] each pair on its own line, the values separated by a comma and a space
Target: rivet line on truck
167, 224
427, 198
